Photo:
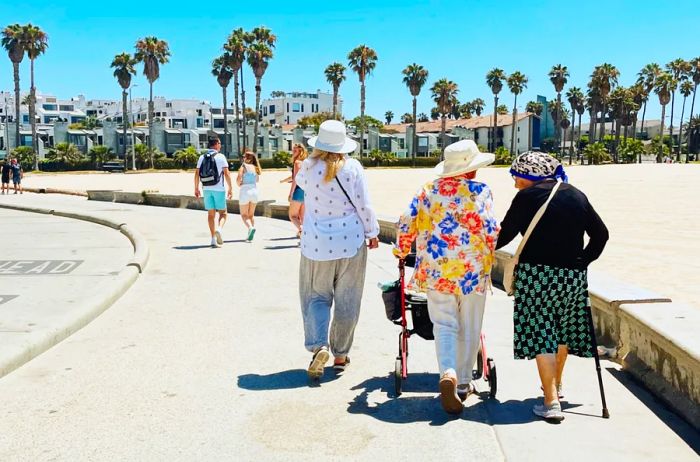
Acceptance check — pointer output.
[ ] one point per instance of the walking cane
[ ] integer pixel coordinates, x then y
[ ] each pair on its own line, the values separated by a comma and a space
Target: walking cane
606, 414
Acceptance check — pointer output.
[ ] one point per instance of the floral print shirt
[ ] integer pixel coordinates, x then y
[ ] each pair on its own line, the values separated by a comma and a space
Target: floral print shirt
455, 230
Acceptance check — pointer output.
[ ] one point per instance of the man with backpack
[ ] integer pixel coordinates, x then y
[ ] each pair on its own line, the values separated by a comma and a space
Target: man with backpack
212, 170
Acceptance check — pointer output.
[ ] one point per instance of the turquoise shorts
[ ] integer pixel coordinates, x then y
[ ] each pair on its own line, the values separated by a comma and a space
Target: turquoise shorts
214, 200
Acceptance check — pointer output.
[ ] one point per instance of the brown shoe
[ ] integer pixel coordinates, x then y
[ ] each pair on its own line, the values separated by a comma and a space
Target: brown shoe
448, 395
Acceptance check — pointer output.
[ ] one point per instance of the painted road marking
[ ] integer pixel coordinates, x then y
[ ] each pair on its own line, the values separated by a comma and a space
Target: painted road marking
37, 267
7, 298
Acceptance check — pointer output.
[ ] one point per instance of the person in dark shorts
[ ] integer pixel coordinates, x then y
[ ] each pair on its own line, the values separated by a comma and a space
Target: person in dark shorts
6, 169
551, 287
17, 175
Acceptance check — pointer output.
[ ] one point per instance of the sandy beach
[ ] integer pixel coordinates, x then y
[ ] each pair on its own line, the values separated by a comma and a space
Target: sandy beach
650, 209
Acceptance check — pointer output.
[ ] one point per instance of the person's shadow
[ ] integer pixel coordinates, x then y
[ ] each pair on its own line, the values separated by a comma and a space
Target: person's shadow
283, 380
409, 409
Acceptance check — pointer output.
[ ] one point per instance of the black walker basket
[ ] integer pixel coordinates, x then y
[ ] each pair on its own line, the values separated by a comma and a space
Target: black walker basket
417, 305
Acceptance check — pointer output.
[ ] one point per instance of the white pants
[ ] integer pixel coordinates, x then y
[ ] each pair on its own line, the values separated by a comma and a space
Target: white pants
457, 328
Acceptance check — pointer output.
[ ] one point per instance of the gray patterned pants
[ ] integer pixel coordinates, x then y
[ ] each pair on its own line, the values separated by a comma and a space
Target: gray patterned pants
337, 283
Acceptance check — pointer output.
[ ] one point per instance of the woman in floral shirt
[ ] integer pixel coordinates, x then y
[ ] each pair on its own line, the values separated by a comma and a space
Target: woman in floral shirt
451, 219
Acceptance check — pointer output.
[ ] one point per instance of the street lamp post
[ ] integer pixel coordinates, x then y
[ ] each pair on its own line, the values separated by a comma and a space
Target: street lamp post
133, 138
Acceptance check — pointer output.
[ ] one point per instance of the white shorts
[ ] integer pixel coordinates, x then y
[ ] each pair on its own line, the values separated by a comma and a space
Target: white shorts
249, 193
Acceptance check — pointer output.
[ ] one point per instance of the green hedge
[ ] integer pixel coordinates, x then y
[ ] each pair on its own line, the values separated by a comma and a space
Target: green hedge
59, 166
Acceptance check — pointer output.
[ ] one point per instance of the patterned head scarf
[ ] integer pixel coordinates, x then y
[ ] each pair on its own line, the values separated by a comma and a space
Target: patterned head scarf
537, 166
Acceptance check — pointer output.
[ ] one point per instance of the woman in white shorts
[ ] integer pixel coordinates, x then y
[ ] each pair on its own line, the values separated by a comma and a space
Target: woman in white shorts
248, 177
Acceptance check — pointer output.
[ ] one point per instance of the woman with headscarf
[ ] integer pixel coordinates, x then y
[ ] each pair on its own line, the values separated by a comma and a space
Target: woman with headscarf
338, 218
551, 287
452, 220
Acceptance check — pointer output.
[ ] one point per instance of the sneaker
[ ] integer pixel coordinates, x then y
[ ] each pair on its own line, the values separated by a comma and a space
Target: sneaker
251, 234
560, 390
214, 243
340, 367
219, 239
551, 413
463, 391
448, 395
318, 362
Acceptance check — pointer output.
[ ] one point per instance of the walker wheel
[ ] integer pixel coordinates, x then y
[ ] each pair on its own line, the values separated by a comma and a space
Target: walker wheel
478, 372
398, 367
493, 383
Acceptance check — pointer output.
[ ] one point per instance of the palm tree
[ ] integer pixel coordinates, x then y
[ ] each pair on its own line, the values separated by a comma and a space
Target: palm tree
388, 115
647, 77
620, 102
604, 78
444, 93
414, 76
465, 110
575, 98
679, 69
423, 117
640, 97
664, 85
152, 52
695, 75
517, 82
259, 55
13, 43
502, 109
580, 109
593, 105
236, 47
124, 69
35, 44
478, 105
494, 79
558, 75
362, 60
686, 90
335, 74
221, 69
534, 107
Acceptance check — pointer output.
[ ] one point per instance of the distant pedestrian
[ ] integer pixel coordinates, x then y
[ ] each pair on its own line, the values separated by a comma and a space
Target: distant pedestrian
6, 170
337, 220
453, 222
17, 175
296, 193
551, 286
212, 172
248, 177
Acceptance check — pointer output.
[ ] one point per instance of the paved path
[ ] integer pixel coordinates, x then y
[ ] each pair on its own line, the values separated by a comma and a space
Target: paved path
202, 359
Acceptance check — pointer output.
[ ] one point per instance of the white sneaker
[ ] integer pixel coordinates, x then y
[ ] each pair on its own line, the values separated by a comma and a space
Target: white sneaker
219, 239
552, 412
214, 243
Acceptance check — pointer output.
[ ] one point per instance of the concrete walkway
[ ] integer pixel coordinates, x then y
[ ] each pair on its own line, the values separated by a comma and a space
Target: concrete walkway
202, 359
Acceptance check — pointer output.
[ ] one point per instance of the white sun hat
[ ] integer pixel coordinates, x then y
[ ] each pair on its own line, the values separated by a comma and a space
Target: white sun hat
332, 138
463, 157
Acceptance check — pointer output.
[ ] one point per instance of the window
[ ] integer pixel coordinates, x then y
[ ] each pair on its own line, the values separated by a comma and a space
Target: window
287, 107
218, 123
302, 108
296, 107
261, 141
91, 112
168, 104
25, 118
66, 107
264, 111
272, 108
200, 122
50, 107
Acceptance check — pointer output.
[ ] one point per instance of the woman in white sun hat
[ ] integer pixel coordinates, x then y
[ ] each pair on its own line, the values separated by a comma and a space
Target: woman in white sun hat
338, 218
452, 220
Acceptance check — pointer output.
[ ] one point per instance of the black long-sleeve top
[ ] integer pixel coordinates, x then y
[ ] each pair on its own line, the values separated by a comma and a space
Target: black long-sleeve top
557, 240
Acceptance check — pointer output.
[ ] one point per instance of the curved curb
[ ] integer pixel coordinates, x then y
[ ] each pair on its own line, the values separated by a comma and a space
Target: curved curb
68, 192
95, 304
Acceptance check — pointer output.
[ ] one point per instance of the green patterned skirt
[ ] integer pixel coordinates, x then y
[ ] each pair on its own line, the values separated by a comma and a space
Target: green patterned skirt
551, 309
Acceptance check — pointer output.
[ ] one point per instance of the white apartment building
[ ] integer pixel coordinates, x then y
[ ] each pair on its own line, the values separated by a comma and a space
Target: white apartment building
286, 108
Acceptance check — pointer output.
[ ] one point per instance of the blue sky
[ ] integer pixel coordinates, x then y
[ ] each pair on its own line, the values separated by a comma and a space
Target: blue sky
458, 40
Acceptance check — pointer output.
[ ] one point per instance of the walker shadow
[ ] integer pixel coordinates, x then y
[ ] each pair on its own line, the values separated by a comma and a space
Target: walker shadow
292, 238
280, 247
676, 423
284, 380
204, 246
409, 409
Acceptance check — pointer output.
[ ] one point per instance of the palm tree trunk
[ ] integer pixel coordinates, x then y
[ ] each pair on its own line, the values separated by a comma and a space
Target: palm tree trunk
125, 123
32, 116
443, 123
601, 135
15, 71
617, 139
578, 142
257, 114
573, 129
238, 114
414, 141
670, 125
150, 123
692, 108
362, 117
660, 154
244, 147
680, 131
335, 101
557, 126
591, 126
512, 130
495, 123
225, 143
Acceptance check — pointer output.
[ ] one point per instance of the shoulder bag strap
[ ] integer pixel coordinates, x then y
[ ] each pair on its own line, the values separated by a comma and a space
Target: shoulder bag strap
535, 220
345, 192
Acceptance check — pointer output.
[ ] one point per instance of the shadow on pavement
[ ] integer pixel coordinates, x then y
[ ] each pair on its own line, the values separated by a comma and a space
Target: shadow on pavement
409, 409
284, 380
292, 238
280, 247
205, 246
676, 423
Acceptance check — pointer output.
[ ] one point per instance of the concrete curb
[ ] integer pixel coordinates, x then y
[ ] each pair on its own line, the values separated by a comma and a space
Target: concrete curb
69, 192
93, 306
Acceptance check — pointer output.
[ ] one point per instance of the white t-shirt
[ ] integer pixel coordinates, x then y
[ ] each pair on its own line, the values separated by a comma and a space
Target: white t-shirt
221, 165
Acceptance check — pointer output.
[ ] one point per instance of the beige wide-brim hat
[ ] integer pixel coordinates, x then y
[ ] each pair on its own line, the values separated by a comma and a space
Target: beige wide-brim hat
332, 137
463, 157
